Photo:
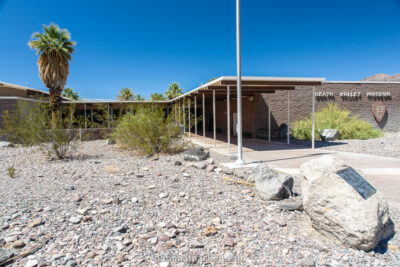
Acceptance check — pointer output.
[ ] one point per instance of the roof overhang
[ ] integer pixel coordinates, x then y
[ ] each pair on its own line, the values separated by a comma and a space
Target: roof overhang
250, 85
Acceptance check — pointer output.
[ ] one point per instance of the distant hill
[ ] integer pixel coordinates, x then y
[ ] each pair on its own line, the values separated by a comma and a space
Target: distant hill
381, 77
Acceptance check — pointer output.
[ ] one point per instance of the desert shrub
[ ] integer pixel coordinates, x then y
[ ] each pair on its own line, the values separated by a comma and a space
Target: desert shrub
30, 124
11, 171
332, 117
148, 130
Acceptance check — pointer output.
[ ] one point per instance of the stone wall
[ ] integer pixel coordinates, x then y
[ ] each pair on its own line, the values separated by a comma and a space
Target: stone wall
352, 96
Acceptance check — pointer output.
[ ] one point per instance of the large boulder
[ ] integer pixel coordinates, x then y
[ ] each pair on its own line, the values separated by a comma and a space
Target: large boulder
272, 185
195, 154
343, 205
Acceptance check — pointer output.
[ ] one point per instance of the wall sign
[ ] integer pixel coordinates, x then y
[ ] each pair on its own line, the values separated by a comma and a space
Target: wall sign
379, 110
321, 95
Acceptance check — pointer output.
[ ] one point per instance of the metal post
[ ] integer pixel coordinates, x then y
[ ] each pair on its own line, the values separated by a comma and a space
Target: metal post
84, 105
204, 118
189, 126
108, 117
288, 118
176, 115
269, 123
313, 119
179, 114
184, 117
91, 116
228, 117
195, 116
214, 122
239, 85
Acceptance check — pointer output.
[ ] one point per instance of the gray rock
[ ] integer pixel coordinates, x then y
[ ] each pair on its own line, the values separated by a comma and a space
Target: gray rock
338, 211
5, 144
32, 263
2, 242
291, 205
329, 135
177, 163
200, 165
196, 244
228, 241
121, 229
228, 256
18, 244
307, 262
75, 220
272, 185
5, 254
195, 154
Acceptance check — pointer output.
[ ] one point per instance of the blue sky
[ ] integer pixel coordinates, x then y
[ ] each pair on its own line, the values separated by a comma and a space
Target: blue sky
145, 45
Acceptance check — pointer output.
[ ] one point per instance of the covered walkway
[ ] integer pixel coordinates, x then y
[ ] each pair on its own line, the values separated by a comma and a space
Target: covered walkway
382, 172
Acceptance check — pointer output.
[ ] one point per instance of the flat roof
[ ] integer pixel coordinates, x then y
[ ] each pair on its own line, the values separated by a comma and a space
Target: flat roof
24, 88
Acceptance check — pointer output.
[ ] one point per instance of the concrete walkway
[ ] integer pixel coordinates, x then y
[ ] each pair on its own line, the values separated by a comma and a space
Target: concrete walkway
382, 172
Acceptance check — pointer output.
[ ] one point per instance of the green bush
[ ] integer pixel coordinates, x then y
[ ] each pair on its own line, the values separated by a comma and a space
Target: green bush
148, 130
332, 117
30, 124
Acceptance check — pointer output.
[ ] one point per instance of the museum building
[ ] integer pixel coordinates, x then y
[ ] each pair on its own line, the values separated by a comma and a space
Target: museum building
268, 103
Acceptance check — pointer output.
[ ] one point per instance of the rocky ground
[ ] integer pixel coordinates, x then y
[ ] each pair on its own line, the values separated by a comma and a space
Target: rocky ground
386, 146
107, 207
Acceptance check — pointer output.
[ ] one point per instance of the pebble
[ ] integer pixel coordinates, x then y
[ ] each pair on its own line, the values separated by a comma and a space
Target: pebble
36, 223
75, 220
18, 244
196, 244
209, 231
32, 263
77, 198
228, 241
243, 229
307, 262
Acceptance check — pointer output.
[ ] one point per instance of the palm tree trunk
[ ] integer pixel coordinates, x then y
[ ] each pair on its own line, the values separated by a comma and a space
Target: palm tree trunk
55, 104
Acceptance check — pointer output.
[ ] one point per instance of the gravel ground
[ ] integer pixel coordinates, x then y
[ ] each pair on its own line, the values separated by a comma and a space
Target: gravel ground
386, 146
107, 207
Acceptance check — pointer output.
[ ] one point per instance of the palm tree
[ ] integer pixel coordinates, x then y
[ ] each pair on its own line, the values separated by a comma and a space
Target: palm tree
139, 98
69, 93
125, 94
157, 97
173, 90
54, 47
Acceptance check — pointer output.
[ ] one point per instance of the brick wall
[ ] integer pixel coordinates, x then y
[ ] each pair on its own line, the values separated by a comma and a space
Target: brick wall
301, 104
6, 104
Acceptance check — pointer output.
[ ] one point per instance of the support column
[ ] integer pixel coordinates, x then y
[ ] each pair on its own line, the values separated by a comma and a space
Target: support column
176, 115
195, 116
91, 116
204, 118
108, 115
228, 117
189, 128
179, 114
184, 117
112, 115
313, 119
214, 121
84, 106
288, 118
269, 123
